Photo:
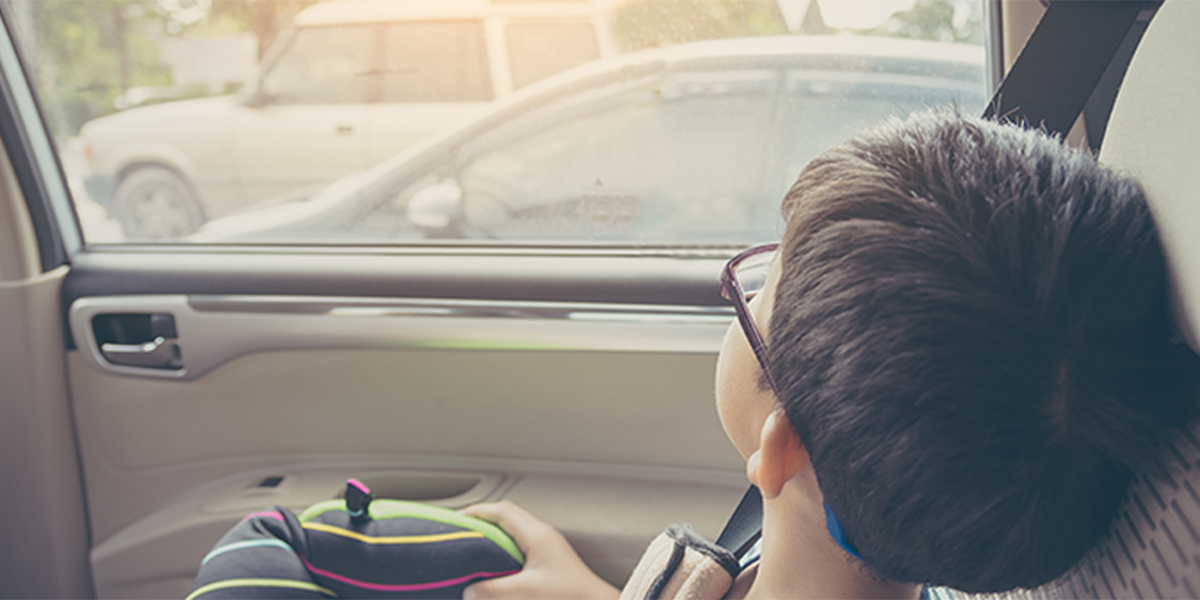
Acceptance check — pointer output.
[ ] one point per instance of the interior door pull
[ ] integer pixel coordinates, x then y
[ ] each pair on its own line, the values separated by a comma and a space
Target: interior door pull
156, 354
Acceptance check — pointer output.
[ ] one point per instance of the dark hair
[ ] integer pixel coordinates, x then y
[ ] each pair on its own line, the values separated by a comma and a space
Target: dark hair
972, 337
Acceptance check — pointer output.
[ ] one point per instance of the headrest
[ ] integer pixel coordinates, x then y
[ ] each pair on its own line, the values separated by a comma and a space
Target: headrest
1153, 133
1153, 548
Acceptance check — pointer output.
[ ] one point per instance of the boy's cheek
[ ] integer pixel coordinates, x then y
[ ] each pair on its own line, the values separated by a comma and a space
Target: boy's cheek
735, 387
721, 385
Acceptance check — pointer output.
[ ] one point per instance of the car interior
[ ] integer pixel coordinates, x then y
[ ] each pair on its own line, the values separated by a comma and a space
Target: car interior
152, 394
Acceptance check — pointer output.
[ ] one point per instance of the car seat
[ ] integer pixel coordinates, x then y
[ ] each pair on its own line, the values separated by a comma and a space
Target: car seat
1153, 548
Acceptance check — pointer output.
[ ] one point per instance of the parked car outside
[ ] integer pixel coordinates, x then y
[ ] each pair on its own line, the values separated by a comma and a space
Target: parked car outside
353, 83
691, 144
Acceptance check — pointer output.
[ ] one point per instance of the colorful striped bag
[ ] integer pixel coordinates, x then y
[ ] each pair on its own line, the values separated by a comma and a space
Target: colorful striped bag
356, 548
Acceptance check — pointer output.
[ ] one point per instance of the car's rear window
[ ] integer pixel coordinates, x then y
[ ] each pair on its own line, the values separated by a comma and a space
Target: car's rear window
435, 61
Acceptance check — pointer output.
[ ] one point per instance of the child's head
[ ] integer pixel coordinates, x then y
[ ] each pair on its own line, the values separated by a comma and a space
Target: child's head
970, 334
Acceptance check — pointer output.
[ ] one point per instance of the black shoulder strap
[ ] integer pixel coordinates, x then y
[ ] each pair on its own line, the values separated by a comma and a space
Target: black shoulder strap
745, 524
1062, 62
1048, 86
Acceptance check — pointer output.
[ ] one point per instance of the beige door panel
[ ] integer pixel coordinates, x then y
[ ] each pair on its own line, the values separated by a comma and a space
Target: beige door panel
608, 517
213, 329
609, 445
45, 528
45, 534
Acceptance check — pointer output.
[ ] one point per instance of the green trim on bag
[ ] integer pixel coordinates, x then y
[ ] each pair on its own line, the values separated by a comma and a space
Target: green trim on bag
384, 509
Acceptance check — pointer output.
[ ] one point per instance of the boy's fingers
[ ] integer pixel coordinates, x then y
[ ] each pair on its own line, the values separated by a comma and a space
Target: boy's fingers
523, 527
500, 587
477, 591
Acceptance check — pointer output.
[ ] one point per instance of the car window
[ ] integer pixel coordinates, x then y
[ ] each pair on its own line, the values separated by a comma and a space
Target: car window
435, 62
674, 158
537, 50
557, 123
322, 65
696, 156
844, 103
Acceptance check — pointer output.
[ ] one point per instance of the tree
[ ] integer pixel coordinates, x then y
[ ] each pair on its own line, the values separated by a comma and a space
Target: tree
84, 54
937, 20
641, 24
265, 18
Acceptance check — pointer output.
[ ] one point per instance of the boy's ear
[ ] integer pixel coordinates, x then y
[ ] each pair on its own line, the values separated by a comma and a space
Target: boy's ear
779, 458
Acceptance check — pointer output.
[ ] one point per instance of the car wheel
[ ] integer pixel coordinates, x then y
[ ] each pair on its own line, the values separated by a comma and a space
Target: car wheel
156, 203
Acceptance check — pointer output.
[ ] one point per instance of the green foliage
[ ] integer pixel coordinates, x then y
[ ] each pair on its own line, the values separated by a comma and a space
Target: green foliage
648, 23
85, 53
938, 20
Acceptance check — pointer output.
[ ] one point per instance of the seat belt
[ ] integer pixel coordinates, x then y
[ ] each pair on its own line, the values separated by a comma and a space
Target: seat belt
1047, 87
1063, 60
744, 527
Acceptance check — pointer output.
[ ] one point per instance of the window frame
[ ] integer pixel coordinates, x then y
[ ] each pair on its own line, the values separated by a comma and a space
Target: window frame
34, 156
60, 233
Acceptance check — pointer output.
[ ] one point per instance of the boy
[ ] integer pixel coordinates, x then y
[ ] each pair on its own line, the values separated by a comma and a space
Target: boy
967, 351
960, 352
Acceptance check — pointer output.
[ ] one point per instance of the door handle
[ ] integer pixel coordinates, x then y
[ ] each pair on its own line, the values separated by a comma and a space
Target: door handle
344, 129
155, 354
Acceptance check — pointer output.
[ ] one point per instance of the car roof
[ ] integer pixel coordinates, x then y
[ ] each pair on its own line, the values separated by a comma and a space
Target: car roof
383, 11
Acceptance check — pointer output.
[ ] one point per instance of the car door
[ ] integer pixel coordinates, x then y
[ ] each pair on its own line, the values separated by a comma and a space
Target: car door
576, 383
161, 391
433, 74
305, 124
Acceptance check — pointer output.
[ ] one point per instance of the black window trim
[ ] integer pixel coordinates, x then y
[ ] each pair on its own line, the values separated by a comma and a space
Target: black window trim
34, 157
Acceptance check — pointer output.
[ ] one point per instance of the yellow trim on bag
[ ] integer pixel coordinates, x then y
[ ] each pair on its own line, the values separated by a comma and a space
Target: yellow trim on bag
404, 539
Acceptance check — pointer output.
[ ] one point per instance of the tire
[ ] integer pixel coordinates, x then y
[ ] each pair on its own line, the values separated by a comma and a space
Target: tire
154, 203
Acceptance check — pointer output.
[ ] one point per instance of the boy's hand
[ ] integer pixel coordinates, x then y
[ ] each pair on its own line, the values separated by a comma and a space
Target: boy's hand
552, 568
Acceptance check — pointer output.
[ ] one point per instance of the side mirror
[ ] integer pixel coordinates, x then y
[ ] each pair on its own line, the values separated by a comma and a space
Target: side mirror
436, 207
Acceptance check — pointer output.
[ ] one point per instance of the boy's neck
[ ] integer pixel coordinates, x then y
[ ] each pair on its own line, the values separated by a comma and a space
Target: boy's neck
800, 560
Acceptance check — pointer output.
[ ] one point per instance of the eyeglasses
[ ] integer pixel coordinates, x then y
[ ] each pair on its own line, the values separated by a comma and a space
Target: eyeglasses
744, 277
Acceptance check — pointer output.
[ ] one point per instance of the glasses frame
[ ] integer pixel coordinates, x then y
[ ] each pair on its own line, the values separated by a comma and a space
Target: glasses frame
732, 291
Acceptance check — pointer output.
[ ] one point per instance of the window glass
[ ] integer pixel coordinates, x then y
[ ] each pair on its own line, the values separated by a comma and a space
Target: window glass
435, 62
538, 50
365, 122
322, 65
822, 108
696, 156
676, 158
